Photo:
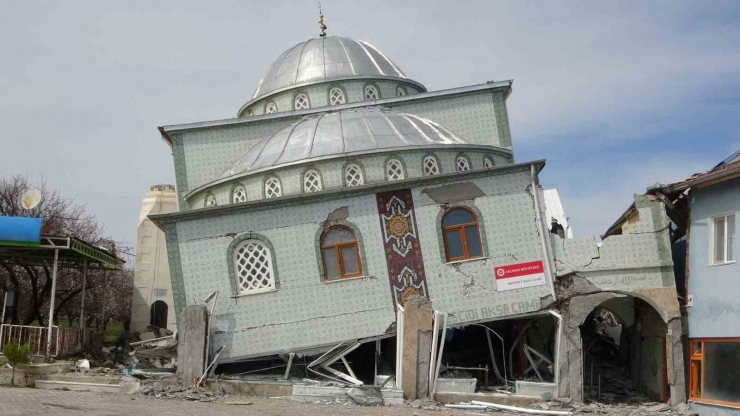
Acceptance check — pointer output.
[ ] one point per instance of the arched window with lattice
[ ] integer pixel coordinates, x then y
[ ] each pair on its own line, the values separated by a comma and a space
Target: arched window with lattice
271, 108
312, 181
401, 91
210, 200
273, 188
430, 165
371, 92
253, 268
301, 102
353, 175
462, 163
239, 194
340, 253
488, 162
337, 96
394, 170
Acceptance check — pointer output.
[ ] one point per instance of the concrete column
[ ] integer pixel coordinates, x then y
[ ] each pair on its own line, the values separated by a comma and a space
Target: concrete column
675, 362
417, 345
191, 345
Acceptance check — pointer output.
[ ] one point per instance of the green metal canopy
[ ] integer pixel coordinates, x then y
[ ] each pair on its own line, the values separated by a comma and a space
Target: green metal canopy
73, 253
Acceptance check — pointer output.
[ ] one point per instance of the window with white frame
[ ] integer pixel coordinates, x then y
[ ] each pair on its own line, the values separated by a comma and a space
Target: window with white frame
311, 181
723, 234
462, 164
301, 102
336, 96
239, 195
488, 162
371, 92
431, 166
273, 188
210, 201
400, 91
394, 170
271, 108
253, 268
353, 175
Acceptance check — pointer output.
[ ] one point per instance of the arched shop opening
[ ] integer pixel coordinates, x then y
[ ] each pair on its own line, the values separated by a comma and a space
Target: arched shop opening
624, 352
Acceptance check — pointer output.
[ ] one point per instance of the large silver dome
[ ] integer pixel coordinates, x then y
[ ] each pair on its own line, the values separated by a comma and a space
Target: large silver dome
342, 133
324, 59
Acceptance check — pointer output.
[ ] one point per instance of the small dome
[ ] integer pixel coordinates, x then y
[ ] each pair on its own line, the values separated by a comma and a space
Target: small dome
341, 133
326, 58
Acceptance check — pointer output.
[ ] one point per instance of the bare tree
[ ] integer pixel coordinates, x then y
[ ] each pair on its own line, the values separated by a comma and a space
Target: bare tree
32, 285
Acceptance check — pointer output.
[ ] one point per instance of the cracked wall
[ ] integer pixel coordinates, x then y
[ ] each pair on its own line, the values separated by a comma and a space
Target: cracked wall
638, 264
305, 312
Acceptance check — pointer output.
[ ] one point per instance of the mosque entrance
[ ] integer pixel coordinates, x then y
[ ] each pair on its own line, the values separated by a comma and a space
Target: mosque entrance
624, 352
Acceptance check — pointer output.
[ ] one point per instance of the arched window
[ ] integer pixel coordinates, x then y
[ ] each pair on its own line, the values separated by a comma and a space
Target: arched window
301, 102
250, 113
158, 314
271, 108
462, 164
401, 91
340, 253
239, 195
210, 200
253, 269
431, 166
336, 96
461, 235
394, 170
353, 175
311, 181
371, 92
273, 188
488, 162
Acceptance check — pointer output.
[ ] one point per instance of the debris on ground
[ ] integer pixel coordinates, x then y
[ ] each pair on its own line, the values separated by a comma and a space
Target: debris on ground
566, 406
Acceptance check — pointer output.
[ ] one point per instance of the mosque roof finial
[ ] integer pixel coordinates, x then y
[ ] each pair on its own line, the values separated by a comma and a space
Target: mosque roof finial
322, 26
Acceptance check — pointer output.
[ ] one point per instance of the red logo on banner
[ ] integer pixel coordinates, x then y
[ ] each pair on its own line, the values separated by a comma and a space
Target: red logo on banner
521, 269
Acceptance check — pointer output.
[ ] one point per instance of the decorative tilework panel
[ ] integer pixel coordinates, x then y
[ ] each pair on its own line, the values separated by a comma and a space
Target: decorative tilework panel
403, 251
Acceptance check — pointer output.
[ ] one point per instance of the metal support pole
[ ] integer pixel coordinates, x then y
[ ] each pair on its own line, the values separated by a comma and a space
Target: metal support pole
51, 304
5, 305
287, 367
82, 304
377, 357
105, 286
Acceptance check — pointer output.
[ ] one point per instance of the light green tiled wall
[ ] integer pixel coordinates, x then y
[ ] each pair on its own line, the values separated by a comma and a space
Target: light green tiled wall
471, 116
208, 152
306, 312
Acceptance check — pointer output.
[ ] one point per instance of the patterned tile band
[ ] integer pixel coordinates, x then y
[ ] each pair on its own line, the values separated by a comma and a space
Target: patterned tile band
401, 245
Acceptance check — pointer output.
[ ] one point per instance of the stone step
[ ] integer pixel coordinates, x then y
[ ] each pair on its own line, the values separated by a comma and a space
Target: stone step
74, 386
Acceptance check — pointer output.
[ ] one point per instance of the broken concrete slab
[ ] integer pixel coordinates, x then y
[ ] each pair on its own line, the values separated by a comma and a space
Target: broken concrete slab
367, 396
456, 385
450, 194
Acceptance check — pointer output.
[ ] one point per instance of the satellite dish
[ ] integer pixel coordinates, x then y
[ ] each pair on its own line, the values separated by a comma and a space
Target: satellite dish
31, 198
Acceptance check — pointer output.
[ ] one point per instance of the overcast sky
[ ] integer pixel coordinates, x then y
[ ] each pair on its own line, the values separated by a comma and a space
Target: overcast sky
615, 95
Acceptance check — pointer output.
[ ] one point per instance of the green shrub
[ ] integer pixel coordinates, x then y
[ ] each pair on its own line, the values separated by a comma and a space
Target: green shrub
16, 354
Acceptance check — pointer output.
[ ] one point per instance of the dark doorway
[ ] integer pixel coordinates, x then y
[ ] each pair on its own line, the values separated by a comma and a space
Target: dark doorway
158, 316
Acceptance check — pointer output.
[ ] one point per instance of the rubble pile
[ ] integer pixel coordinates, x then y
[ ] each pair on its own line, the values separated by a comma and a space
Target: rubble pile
179, 392
636, 409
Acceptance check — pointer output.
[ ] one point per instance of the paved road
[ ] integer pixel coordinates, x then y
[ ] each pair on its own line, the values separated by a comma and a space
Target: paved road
28, 401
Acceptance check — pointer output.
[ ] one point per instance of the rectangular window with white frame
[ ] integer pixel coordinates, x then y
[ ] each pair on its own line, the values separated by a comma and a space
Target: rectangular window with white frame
723, 234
